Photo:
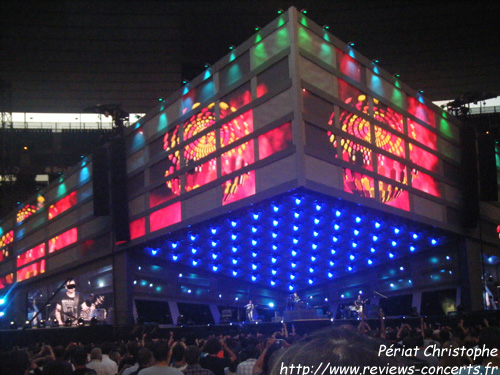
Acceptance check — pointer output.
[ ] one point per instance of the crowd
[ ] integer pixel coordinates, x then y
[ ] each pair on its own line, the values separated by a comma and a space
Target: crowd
286, 352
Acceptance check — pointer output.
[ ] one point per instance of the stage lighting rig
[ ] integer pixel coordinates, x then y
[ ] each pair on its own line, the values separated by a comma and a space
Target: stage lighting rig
118, 115
459, 105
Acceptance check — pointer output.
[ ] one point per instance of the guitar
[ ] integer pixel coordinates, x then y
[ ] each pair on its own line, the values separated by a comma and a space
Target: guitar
87, 313
358, 305
250, 307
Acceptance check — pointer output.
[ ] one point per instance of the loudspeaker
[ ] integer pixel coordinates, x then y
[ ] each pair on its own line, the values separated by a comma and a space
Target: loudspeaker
487, 168
119, 196
100, 181
470, 196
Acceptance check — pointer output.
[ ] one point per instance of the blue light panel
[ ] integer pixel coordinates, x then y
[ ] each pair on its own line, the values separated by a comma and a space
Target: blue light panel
283, 235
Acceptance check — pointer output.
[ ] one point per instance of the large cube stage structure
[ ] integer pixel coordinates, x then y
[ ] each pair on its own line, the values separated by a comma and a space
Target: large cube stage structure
293, 164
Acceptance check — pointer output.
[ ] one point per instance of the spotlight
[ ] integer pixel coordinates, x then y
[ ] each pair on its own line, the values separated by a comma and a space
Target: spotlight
185, 81
55, 323
280, 11
231, 47
303, 11
41, 323
326, 27
207, 65
257, 28
93, 321
397, 75
13, 325
68, 322
351, 44
375, 61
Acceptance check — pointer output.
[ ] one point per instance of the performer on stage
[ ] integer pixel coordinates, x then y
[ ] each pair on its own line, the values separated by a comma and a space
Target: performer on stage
73, 305
359, 303
297, 303
250, 307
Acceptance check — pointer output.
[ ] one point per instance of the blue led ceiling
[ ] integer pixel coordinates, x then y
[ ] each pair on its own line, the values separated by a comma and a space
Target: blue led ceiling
297, 240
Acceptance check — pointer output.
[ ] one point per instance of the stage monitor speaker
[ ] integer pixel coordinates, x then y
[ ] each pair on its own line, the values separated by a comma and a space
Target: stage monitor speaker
119, 196
487, 168
100, 181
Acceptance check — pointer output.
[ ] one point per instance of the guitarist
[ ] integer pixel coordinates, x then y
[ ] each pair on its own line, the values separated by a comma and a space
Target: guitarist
359, 304
250, 308
72, 304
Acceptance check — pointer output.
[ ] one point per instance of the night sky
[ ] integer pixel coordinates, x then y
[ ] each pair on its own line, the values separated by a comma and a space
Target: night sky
63, 56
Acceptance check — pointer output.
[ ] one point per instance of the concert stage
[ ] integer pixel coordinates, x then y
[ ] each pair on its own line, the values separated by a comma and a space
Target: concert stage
100, 333
304, 314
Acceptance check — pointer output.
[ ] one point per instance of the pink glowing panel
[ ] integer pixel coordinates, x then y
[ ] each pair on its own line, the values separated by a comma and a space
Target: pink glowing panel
138, 228
389, 142
348, 65
165, 217
64, 239
237, 128
358, 184
275, 140
420, 111
31, 255
187, 101
238, 188
393, 196
388, 116
237, 158
62, 205
424, 182
234, 101
161, 194
423, 158
391, 169
262, 89
356, 154
422, 134
352, 96
201, 175
7, 280
30, 271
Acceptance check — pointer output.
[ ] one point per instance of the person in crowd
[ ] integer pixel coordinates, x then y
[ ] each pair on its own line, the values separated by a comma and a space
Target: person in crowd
339, 347
162, 366
79, 361
129, 362
97, 364
192, 357
144, 360
59, 366
212, 361
249, 357
112, 366
177, 355
14, 362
